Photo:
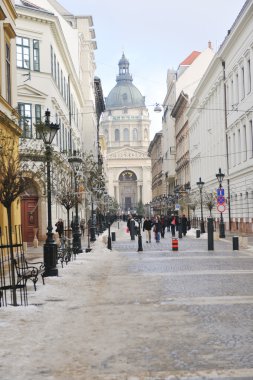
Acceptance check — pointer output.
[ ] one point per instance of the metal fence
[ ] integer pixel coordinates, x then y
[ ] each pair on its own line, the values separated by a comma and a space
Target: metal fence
13, 290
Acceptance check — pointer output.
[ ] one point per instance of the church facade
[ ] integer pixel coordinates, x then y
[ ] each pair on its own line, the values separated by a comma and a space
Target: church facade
125, 125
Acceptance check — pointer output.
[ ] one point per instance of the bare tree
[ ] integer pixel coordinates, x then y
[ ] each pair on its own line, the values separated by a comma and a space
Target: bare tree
209, 200
13, 182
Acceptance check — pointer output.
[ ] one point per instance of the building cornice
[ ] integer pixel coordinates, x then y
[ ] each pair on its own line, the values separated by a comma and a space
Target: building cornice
10, 8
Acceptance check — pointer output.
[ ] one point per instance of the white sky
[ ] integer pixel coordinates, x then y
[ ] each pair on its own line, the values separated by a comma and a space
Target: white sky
155, 36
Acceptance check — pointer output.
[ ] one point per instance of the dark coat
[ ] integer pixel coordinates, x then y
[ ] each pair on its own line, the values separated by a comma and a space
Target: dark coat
147, 225
184, 224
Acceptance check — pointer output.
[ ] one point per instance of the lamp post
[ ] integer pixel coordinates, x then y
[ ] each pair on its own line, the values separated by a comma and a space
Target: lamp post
75, 163
200, 185
188, 189
93, 219
220, 177
47, 132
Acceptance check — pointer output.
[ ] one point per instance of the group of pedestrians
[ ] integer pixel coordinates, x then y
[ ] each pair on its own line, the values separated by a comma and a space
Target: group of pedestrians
159, 224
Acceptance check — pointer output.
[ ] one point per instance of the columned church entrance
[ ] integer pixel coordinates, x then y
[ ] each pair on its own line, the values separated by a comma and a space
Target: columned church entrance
128, 191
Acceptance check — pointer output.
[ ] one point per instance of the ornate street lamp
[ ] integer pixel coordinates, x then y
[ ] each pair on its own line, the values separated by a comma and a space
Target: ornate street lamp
200, 185
220, 176
76, 162
47, 132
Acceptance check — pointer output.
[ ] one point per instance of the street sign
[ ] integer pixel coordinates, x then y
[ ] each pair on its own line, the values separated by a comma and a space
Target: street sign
220, 200
177, 207
220, 192
221, 208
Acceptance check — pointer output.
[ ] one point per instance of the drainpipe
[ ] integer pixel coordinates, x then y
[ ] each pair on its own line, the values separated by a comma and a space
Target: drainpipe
70, 118
226, 127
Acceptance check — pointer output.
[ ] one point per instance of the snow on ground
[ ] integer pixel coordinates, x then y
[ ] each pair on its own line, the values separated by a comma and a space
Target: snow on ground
36, 337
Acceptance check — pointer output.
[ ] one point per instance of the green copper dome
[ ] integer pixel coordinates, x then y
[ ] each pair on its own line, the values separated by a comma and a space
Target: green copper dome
124, 94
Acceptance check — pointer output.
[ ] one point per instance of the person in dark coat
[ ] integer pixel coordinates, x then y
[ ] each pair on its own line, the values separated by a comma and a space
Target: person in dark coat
59, 227
184, 224
157, 229
147, 226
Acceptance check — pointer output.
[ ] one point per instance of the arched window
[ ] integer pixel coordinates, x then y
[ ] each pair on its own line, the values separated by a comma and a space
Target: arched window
117, 135
126, 134
127, 175
145, 134
135, 134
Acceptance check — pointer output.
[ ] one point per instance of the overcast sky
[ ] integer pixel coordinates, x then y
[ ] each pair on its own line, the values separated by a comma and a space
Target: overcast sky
155, 36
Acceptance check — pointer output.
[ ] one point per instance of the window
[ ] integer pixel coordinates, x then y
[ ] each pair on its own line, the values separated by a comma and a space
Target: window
23, 53
117, 135
25, 121
234, 150
135, 134
36, 55
244, 153
229, 151
232, 93
8, 73
126, 134
236, 89
37, 117
251, 138
58, 74
52, 61
242, 83
61, 85
64, 88
239, 146
249, 76
54, 73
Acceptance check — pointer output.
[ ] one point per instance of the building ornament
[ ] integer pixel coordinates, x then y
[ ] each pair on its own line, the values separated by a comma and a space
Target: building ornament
127, 154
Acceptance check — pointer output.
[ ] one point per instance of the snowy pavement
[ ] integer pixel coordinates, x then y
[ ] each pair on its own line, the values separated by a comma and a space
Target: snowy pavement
154, 315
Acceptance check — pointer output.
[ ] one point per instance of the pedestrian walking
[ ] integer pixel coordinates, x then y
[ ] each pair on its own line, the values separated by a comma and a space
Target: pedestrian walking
168, 223
131, 225
147, 226
82, 226
163, 225
59, 227
157, 229
173, 225
184, 224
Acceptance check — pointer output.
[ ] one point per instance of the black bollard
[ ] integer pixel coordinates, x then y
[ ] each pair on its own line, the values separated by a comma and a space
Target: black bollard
235, 243
109, 241
139, 239
197, 233
113, 236
210, 234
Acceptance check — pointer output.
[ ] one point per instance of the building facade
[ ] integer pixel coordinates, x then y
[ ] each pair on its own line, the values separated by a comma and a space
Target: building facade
55, 64
9, 129
125, 125
221, 128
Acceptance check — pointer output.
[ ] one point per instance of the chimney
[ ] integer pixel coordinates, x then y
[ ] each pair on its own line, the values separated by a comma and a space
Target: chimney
209, 44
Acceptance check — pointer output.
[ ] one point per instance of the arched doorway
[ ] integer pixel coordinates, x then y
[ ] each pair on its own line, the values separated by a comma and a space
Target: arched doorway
128, 191
29, 214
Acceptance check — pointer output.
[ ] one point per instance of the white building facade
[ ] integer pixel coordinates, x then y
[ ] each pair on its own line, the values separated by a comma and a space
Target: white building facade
55, 63
220, 120
125, 125
181, 84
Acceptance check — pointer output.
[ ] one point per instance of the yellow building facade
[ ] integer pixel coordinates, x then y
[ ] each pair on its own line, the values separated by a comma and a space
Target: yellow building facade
9, 129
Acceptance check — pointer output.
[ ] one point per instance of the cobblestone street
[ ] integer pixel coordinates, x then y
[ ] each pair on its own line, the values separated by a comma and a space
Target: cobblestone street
149, 315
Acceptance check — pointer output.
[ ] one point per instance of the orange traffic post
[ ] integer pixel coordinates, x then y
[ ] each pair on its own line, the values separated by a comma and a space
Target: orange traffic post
174, 244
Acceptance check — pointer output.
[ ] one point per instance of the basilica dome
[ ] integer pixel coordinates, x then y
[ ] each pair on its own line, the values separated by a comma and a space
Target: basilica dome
124, 94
